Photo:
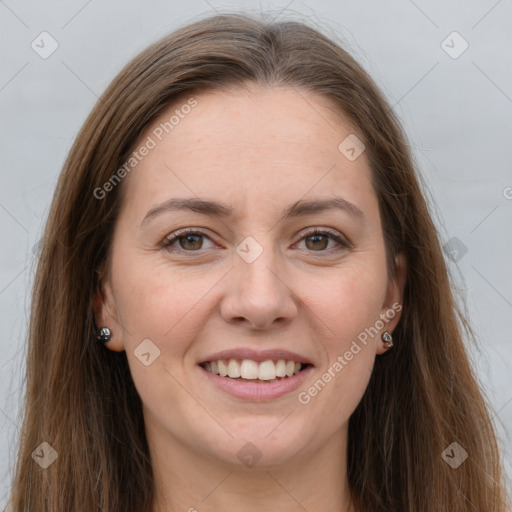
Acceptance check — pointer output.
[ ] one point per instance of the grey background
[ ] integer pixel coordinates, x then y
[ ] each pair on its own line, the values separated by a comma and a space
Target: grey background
457, 112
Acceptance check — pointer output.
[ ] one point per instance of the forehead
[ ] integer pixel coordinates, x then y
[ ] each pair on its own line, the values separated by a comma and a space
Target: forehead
240, 144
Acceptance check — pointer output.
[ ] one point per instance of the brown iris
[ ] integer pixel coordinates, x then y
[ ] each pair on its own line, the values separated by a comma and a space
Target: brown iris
318, 243
196, 242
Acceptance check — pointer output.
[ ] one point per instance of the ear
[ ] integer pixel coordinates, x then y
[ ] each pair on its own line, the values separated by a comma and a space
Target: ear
106, 315
392, 307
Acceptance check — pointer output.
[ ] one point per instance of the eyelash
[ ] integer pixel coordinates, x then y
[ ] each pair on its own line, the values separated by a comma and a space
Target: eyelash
177, 235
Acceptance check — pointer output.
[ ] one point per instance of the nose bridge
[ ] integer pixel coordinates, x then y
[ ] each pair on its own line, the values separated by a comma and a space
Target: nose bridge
261, 277
258, 268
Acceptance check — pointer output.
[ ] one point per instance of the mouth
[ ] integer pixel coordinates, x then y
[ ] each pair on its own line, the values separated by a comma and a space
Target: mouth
248, 370
256, 375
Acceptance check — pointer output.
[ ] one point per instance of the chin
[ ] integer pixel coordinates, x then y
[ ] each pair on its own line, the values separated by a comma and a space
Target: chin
265, 443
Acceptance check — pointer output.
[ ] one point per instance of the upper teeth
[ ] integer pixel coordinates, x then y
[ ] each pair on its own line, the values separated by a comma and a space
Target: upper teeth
249, 369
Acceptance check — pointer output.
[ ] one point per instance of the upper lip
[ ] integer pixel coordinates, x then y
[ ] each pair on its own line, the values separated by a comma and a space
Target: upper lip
256, 355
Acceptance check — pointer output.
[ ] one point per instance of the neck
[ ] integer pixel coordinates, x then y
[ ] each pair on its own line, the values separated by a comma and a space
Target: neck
187, 480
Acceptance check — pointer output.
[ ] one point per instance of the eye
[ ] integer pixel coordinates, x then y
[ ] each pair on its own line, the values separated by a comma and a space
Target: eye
189, 240
192, 240
317, 240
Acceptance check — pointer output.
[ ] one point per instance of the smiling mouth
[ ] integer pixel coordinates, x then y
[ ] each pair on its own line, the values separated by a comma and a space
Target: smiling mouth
247, 370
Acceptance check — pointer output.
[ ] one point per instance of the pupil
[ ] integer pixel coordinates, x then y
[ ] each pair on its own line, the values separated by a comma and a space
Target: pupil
317, 239
190, 238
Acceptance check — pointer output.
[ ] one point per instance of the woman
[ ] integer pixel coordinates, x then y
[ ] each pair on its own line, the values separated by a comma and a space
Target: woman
241, 301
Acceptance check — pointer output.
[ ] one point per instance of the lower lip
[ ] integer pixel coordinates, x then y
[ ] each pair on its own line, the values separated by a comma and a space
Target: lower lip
257, 391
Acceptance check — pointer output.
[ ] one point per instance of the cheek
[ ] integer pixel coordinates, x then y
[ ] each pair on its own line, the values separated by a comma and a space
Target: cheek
347, 312
348, 301
154, 300
159, 305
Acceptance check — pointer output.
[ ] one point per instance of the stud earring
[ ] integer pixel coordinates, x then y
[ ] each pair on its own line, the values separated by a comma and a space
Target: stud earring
104, 335
387, 338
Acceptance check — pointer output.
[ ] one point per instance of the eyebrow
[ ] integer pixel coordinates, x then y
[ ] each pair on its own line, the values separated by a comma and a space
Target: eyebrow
216, 209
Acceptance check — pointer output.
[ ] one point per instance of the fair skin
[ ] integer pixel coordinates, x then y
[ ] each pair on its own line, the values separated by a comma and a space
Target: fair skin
258, 152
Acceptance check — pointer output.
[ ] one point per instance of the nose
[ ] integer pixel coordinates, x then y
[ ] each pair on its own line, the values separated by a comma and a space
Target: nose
258, 294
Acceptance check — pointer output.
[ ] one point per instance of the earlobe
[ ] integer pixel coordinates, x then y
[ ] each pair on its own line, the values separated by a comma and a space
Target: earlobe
108, 330
393, 305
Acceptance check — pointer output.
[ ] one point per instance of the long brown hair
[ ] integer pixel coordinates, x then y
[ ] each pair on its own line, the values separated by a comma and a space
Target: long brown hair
80, 398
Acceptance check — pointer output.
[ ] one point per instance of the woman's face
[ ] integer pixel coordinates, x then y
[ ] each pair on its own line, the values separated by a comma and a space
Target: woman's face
251, 175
